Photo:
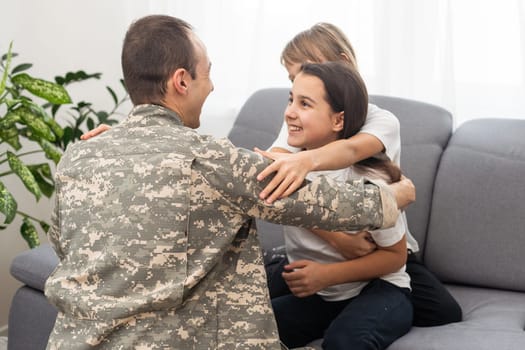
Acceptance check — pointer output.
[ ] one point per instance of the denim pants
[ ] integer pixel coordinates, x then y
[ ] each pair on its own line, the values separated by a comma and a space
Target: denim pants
380, 314
432, 302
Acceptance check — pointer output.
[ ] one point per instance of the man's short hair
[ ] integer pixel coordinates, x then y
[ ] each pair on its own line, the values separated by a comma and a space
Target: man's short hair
154, 48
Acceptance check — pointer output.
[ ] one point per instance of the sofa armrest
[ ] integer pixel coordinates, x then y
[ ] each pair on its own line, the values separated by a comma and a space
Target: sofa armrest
33, 267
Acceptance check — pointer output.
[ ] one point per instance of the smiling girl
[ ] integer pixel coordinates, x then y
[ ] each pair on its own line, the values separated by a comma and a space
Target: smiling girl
330, 296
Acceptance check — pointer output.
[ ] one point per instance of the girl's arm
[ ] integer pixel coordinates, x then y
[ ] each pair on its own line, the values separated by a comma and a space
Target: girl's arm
350, 246
94, 132
381, 133
292, 168
308, 277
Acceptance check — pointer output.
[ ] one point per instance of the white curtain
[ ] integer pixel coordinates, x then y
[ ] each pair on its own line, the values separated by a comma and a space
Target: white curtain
467, 56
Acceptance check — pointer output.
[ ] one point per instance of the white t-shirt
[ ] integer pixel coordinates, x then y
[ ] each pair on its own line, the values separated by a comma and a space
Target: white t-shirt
385, 126
303, 244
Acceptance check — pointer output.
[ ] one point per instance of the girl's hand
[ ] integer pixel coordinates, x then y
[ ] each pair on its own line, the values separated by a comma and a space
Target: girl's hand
290, 171
305, 277
97, 131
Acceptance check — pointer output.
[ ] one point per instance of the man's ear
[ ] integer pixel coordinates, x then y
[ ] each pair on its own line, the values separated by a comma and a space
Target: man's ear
180, 81
338, 121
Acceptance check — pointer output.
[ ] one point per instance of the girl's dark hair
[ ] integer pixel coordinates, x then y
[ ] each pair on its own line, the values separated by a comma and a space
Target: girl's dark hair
154, 48
346, 92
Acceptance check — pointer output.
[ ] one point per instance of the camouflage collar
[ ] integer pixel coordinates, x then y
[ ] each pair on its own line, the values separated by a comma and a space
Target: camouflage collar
151, 110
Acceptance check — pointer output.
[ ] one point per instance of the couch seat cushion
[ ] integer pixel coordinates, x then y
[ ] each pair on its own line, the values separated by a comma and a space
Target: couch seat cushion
492, 319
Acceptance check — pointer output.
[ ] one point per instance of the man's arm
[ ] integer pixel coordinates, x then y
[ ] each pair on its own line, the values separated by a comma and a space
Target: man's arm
290, 169
53, 235
322, 203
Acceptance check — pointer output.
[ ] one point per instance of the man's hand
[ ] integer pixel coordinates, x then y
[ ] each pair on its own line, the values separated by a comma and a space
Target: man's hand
305, 277
404, 191
290, 171
92, 133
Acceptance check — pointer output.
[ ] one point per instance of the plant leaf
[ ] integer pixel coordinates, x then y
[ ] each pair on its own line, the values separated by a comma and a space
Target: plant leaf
68, 136
8, 204
10, 135
123, 84
102, 116
46, 187
52, 123
41, 112
113, 94
90, 124
24, 174
28, 231
8, 57
35, 123
5, 55
80, 120
49, 91
9, 120
50, 150
21, 67
54, 109
111, 121
44, 225
72, 77
44, 169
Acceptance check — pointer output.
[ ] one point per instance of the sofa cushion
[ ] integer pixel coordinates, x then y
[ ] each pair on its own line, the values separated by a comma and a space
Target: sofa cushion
31, 319
425, 131
492, 319
33, 267
476, 233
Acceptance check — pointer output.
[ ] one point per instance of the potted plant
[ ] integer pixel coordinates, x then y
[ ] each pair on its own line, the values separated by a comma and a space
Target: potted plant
28, 110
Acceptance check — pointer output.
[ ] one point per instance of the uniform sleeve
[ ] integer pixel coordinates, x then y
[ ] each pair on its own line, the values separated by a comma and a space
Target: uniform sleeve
385, 126
323, 202
53, 234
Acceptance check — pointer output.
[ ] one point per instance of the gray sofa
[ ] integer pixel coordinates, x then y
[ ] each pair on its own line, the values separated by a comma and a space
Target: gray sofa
469, 219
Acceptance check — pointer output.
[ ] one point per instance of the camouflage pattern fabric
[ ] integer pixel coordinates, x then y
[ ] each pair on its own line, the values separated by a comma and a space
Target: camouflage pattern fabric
157, 249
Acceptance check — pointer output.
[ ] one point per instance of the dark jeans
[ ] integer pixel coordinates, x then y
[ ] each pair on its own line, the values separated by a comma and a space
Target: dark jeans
433, 304
380, 314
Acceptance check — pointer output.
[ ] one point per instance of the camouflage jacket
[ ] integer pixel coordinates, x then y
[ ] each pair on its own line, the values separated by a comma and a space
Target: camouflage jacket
157, 250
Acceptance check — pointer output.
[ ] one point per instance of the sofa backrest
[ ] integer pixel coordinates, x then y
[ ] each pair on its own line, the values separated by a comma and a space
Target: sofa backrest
425, 131
477, 226
260, 119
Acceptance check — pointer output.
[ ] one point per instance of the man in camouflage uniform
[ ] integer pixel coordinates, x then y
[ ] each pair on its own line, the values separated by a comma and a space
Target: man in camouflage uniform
152, 220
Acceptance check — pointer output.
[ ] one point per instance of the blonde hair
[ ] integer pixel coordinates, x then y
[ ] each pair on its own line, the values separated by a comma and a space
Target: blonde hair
322, 42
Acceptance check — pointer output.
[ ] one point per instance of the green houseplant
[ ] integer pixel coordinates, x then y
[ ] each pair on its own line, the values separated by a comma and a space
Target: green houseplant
28, 124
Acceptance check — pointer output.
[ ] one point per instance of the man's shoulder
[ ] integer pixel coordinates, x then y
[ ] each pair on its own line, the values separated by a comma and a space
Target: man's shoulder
122, 141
